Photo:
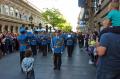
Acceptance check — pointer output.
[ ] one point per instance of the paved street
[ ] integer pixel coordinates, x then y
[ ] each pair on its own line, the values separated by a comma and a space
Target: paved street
76, 67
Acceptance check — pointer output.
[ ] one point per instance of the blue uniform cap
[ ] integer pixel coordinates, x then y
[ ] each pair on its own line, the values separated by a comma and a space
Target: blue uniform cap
29, 33
22, 30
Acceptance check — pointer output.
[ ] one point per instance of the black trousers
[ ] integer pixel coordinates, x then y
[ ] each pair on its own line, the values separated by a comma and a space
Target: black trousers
57, 60
70, 50
49, 49
10, 49
44, 50
34, 49
22, 55
81, 44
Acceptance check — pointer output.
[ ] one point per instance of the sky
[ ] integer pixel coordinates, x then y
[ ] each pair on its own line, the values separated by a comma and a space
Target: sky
69, 8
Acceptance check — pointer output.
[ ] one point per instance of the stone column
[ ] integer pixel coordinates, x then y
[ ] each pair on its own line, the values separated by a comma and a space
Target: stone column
17, 29
2, 9
9, 28
14, 29
3, 28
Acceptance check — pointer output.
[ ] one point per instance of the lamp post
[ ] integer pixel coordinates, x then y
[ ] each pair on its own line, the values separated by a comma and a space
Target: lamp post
40, 26
49, 20
46, 28
31, 19
50, 28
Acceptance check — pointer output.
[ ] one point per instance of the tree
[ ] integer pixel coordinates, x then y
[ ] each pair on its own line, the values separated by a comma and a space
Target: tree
67, 28
54, 17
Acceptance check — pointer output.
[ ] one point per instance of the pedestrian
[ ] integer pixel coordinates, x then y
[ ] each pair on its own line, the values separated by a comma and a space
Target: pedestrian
108, 66
91, 53
80, 40
108, 63
22, 38
112, 20
44, 43
27, 64
57, 45
32, 42
70, 44
86, 38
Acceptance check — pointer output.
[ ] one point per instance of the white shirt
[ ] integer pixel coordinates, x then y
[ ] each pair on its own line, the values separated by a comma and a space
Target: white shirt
27, 64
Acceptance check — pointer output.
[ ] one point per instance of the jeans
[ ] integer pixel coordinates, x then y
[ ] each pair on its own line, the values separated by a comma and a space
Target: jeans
108, 75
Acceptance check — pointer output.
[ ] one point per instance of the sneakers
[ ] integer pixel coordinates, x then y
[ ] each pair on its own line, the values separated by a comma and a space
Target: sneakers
91, 62
55, 68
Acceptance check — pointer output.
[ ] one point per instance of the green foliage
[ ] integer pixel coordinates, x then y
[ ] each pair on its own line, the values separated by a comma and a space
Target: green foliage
53, 16
67, 28
56, 19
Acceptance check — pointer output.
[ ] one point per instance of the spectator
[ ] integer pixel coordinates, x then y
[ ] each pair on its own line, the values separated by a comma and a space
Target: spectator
27, 63
113, 17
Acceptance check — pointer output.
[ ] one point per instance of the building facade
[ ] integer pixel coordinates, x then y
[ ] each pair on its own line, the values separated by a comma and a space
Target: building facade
13, 13
97, 9
95, 12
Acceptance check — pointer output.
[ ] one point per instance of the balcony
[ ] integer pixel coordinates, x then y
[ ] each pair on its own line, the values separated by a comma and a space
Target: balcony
12, 19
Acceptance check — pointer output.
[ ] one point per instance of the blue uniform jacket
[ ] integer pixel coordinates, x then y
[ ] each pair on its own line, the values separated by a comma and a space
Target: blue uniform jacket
44, 40
69, 41
23, 42
57, 44
32, 40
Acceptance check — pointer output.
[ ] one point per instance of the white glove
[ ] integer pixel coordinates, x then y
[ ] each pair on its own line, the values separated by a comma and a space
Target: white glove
53, 50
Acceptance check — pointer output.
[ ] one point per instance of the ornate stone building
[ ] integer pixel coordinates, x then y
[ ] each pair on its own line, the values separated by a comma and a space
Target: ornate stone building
13, 13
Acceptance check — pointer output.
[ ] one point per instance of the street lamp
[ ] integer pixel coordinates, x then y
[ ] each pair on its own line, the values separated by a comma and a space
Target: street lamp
31, 19
40, 26
46, 28
50, 28
50, 20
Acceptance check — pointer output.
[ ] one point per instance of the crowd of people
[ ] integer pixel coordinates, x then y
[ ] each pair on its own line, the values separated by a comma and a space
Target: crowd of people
29, 44
102, 48
8, 43
45, 43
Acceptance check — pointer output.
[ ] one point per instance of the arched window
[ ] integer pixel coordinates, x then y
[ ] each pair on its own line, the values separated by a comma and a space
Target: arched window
12, 11
6, 9
16, 13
